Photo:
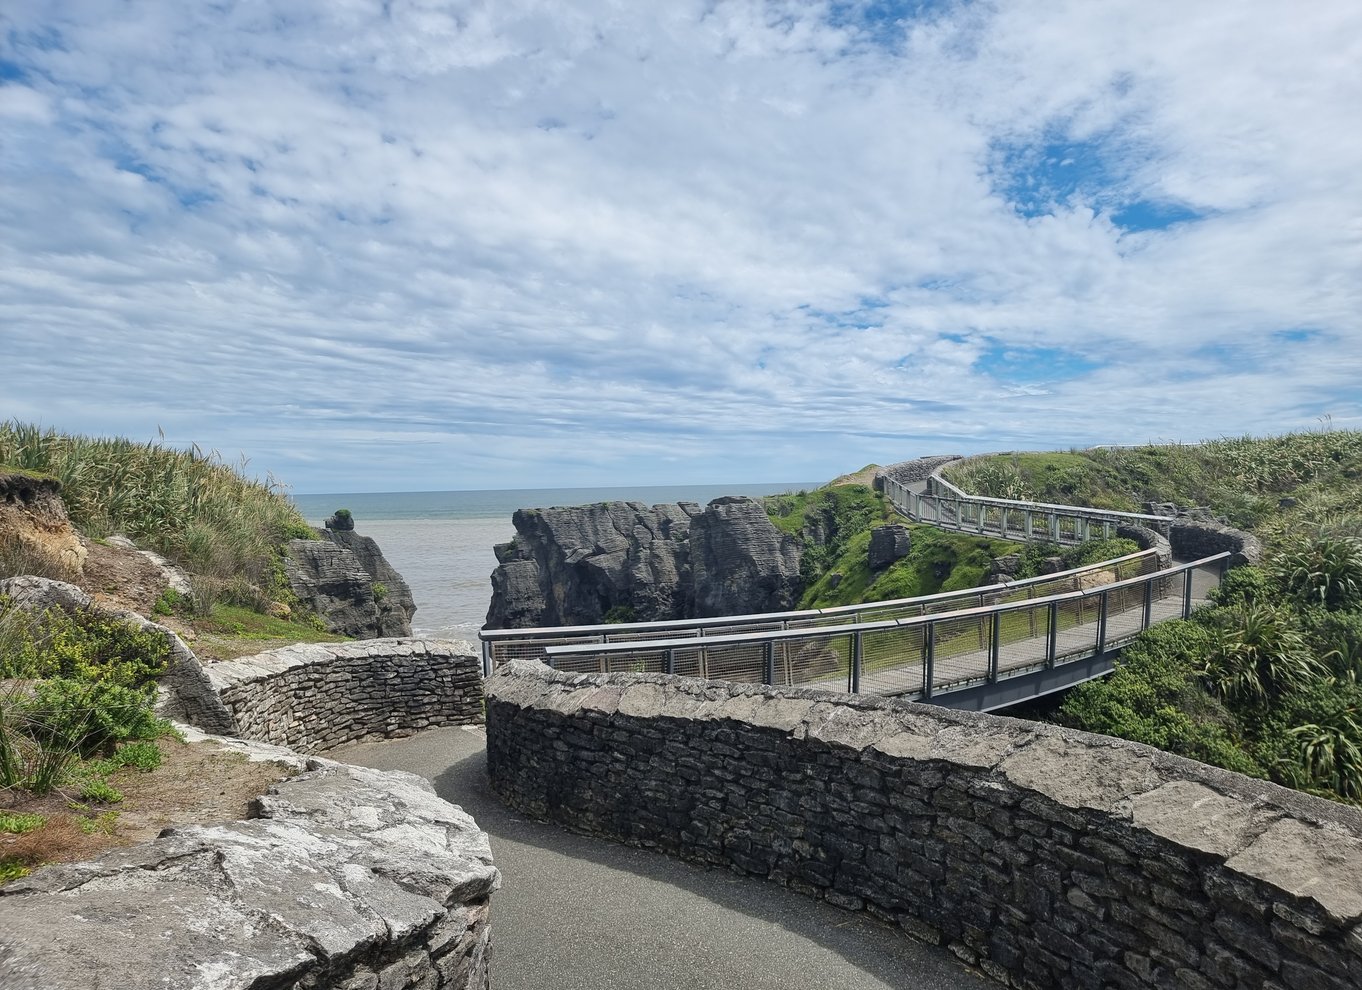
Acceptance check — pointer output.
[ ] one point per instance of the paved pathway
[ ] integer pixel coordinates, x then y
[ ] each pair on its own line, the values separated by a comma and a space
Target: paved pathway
577, 913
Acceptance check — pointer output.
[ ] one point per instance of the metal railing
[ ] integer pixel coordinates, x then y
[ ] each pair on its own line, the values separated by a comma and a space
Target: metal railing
973, 651
501, 645
947, 507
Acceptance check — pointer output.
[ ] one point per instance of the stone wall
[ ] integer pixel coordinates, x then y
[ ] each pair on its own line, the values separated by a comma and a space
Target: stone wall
1194, 538
1148, 539
1047, 857
348, 878
314, 696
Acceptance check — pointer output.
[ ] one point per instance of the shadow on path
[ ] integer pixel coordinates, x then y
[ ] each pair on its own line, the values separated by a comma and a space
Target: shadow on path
580, 913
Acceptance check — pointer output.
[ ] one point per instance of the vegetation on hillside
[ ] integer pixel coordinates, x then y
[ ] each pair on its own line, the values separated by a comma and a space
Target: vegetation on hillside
834, 525
76, 696
1243, 478
225, 529
1264, 681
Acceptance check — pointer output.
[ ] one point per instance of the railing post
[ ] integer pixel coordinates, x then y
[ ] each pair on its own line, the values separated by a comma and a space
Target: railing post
486, 659
1053, 520
995, 648
856, 658
1029, 524
1102, 603
1148, 605
671, 660
928, 659
1187, 592
768, 673
1052, 638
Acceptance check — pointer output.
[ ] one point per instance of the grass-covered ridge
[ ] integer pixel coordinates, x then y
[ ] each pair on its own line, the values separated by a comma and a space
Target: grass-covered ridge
224, 528
1243, 478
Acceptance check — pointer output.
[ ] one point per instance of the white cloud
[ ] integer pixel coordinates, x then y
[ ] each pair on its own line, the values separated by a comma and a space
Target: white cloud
518, 243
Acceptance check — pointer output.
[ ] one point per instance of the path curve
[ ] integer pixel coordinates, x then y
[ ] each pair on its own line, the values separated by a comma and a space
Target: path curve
577, 913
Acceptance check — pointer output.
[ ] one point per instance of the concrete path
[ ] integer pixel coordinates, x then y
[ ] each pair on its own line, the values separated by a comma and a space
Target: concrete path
576, 913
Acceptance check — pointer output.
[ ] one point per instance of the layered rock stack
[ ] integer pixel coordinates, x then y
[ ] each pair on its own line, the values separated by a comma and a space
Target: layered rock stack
626, 561
344, 578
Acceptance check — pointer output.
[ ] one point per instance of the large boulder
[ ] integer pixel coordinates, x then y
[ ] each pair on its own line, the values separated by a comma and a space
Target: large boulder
344, 578
35, 534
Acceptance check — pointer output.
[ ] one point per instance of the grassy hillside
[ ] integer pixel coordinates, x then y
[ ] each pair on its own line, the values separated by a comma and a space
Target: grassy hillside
834, 524
1266, 680
224, 528
1243, 478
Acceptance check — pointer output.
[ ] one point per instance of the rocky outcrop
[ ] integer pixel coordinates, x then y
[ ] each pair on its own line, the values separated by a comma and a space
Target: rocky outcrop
344, 578
346, 877
740, 562
35, 534
581, 564
588, 564
889, 544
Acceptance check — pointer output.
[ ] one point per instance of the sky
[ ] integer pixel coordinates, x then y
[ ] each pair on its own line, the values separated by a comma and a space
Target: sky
424, 245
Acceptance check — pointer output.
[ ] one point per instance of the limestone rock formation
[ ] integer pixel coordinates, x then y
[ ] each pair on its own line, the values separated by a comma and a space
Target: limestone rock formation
740, 562
344, 578
888, 544
35, 534
623, 560
576, 565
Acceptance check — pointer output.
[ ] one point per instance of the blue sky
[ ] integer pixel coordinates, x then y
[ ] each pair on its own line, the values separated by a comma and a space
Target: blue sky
423, 245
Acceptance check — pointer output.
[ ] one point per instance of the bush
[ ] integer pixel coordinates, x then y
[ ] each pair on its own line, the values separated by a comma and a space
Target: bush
1243, 586
1256, 653
89, 718
1323, 571
87, 645
1154, 696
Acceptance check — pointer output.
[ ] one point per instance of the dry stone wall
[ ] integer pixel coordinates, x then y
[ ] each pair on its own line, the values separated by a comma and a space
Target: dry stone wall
314, 696
1047, 857
348, 878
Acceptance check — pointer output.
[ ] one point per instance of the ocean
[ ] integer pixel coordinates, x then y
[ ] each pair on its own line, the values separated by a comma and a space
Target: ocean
441, 542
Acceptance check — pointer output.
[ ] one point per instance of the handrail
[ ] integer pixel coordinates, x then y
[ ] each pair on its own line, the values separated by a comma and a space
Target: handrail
753, 618
774, 635
965, 496
975, 658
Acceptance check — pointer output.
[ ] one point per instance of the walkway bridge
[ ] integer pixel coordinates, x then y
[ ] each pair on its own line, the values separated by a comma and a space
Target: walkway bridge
981, 649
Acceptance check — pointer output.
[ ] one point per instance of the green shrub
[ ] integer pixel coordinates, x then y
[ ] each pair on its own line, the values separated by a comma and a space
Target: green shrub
99, 790
89, 718
1097, 551
380, 591
144, 755
171, 602
1243, 586
1155, 696
1323, 571
1256, 653
86, 645
13, 823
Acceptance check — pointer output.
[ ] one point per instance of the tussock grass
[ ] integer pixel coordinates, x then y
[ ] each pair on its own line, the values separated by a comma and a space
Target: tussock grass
222, 526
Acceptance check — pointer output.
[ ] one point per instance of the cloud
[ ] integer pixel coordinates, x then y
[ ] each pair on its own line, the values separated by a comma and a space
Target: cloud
438, 244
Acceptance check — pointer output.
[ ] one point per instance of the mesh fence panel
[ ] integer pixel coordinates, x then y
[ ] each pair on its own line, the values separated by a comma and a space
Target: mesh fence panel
961, 650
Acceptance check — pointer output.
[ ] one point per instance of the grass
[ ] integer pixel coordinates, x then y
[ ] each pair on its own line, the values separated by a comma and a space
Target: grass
223, 527
1243, 478
231, 631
